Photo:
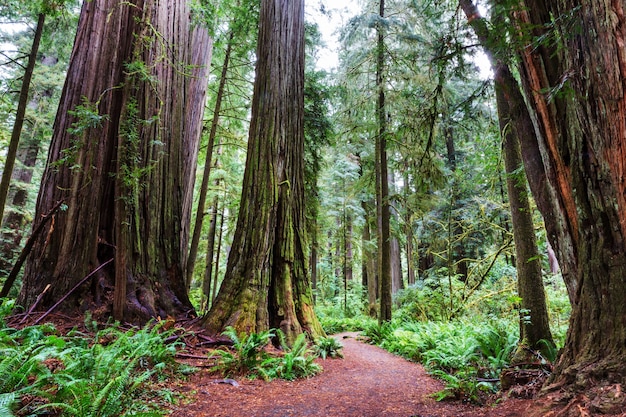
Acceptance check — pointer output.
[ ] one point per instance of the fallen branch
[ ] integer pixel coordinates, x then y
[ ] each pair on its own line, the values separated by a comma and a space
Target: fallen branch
81, 282
26, 251
189, 356
32, 308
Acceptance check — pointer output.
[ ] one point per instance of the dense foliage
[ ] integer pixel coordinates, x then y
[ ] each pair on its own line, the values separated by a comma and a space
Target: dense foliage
102, 372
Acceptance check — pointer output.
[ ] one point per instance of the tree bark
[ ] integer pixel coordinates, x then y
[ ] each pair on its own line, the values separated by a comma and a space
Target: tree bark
123, 156
347, 258
218, 254
576, 86
535, 322
266, 283
573, 75
408, 231
382, 181
210, 254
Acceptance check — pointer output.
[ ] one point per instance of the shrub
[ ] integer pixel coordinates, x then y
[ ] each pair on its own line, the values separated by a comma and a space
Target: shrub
327, 347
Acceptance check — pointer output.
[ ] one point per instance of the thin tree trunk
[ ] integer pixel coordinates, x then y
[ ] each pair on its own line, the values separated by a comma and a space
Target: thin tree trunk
408, 231
210, 253
218, 251
382, 203
535, 323
20, 115
347, 258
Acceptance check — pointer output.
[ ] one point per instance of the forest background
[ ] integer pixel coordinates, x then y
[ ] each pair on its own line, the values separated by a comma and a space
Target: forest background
452, 254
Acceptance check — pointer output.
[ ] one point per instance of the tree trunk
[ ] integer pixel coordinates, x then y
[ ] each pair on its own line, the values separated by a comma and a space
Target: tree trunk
408, 231
210, 255
266, 283
347, 259
397, 282
535, 323
578, 97
122, 158
218, 251
7, 172
382, 181
313, 261
572, 74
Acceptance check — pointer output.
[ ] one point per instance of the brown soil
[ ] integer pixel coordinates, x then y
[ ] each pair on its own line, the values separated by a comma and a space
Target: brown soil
368, 382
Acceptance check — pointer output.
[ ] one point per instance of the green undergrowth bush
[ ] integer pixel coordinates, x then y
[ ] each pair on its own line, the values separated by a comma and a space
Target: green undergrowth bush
334, 319
110, 372
328, 347
467, 356
253, 356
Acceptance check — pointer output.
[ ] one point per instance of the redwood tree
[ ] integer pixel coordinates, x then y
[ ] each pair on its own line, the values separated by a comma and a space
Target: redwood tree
122, 159
266, 283
573, 74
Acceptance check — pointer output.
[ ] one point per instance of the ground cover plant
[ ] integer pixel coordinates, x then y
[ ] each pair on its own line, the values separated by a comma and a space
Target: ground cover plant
103, 372
254, 356
468, 351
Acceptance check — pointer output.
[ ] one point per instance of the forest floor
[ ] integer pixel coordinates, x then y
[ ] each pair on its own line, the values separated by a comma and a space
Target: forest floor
367, 382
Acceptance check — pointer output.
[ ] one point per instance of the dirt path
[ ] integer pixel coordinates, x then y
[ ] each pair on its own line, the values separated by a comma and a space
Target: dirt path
368, 382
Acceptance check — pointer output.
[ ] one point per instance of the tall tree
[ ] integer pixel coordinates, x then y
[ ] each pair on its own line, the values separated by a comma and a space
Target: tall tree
573, 75
20, 115
266, 283
382, 181
122, 159
535, 326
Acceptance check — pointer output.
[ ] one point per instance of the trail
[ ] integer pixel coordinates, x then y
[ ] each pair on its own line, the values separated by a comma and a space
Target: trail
368, 382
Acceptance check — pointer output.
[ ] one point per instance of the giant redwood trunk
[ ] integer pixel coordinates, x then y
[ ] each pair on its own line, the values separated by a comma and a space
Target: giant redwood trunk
574, 74
122, 159
266, 283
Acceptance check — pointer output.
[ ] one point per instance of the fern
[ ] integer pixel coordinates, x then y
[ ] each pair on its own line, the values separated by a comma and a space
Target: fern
7, 402
328, 347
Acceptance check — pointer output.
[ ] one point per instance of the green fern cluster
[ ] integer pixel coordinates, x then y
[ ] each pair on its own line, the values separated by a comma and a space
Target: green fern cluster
328, 347
107, 374
250, 357
467, 356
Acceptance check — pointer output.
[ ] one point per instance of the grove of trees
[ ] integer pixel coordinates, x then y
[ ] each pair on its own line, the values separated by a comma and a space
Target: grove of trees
201, 163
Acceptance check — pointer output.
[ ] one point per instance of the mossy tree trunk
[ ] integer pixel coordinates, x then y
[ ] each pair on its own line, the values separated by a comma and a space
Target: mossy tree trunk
266, 283
534, 319
122, 159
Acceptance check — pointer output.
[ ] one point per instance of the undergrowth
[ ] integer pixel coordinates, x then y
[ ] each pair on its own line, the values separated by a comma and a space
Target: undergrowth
467, 356
466, 345
110, 372
253, 356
